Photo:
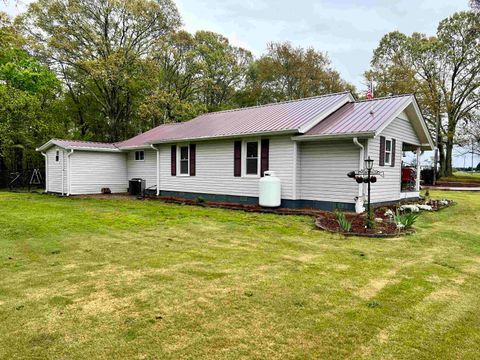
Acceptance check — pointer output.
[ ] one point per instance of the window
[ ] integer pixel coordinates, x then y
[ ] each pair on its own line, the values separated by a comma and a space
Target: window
388, 152
139, 155
184, 160
251, 158
57, 156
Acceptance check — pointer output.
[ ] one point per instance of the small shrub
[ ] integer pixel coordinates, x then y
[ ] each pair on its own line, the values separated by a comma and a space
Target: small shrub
106, 190
405, 220
345, 225
200, 199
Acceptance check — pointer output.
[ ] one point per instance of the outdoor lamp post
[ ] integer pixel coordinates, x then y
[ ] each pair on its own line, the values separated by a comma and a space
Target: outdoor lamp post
367, 175
369, 166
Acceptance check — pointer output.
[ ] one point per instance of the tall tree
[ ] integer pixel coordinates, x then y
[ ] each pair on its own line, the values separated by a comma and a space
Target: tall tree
99, 48
177, 77
286, 72
223, 69
28, 98
443, 71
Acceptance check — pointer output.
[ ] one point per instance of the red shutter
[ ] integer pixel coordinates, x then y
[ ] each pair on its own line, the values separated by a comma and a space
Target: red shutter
237, 158
173, 161
392, 162
381, 158
193, 159
265, 150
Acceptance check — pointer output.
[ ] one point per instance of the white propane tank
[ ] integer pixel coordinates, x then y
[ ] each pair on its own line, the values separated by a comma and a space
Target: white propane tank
270, 190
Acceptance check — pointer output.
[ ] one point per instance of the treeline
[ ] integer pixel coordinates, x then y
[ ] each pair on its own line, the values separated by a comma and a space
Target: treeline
106, 70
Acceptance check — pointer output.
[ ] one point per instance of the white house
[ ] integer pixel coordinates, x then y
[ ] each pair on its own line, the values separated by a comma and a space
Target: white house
310, 143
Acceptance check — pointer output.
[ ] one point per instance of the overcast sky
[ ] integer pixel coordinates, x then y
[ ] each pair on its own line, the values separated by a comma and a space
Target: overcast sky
348, 30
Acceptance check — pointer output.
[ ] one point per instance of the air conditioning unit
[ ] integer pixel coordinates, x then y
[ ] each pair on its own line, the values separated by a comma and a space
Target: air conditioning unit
136, 186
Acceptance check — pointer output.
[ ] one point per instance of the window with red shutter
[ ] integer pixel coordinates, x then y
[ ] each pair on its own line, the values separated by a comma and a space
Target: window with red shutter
265, 153
193, 159
381, 158
173, 161
237, 159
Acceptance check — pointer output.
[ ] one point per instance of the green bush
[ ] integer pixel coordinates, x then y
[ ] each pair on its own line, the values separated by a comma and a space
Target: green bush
345, 225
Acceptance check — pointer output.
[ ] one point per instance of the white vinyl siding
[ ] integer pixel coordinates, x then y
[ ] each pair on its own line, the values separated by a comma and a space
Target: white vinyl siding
214, 169
54, 178
388, 187
92, 170
323, 171
145, 169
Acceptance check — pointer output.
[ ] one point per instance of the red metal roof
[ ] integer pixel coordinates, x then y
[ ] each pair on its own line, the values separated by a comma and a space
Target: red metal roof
277, 117
361, 116
143, 138
289, 116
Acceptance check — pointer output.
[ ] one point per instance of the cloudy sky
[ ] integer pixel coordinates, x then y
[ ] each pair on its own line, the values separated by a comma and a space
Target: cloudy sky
348, 30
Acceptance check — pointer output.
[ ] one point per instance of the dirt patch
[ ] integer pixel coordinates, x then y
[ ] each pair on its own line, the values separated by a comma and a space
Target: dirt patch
376, 285
442, 294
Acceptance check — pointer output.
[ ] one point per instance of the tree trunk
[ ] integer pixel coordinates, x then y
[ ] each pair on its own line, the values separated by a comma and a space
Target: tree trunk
441, 154
449, 155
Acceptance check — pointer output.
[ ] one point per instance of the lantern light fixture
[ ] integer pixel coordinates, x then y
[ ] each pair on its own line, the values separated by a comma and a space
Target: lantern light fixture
369, 163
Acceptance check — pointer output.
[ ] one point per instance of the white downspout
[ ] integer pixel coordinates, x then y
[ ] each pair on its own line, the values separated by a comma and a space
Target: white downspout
69, 178
63, 172
158, 167
46, 171
361, 191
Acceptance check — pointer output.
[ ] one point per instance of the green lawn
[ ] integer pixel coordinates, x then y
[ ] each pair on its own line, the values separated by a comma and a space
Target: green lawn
461, 176
129, 279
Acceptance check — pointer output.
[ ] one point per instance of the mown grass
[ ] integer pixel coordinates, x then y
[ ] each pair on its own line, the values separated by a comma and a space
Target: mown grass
461, 176
128, 279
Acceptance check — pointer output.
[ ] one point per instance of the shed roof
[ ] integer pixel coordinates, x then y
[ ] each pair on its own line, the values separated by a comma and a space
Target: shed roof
77, 144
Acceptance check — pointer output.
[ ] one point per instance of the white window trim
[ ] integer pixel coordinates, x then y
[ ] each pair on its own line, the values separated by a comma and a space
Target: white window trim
244, 158
389, 152
135, 155
179, 154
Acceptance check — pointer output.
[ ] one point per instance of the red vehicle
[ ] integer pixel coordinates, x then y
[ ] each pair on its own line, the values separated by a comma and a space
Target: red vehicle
408, 178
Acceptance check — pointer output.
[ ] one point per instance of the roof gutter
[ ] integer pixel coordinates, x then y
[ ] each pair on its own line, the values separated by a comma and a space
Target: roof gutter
224, 137
366, 134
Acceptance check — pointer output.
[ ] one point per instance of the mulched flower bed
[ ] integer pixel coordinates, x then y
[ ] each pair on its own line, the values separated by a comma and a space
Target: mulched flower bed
384, 227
